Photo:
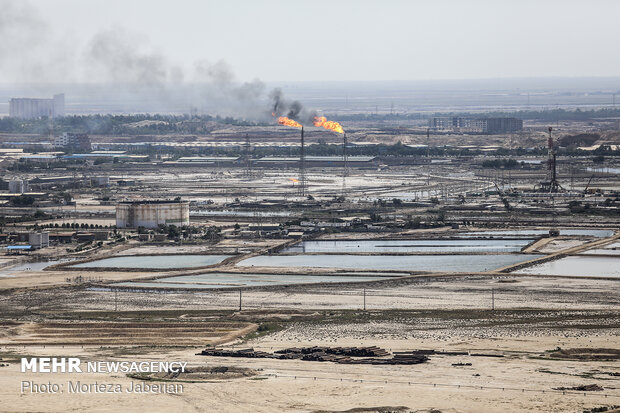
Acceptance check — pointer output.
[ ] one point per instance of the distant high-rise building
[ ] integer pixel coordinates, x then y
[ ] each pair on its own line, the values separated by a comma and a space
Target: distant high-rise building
28, 108
476, 125
18, 186
79, 141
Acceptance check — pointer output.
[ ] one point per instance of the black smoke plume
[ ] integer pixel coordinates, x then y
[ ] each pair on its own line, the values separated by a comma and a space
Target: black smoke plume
291, 109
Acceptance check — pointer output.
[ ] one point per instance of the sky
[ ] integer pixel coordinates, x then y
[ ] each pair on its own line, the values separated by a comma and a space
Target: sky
299, 40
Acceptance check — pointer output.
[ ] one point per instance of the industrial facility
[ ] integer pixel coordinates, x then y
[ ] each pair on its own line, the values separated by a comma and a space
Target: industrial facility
339, 207
476, 125
79, 141
151, 214
29, 108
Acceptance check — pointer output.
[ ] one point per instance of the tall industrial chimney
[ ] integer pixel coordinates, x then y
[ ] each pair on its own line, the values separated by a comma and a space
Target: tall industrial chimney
345, 165
301, 189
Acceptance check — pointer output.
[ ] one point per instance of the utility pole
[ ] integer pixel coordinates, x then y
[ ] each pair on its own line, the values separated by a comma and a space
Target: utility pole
492, 299
240, 299
364, 299
115, 300
248, 162
345, 162
302, 167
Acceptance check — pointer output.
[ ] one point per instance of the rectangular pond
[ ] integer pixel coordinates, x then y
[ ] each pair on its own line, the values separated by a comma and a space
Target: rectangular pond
232, 280
31, 266
155, 261
581, 266
600, 233
409, 246
604, 170
437, 263
602, 251
610, 249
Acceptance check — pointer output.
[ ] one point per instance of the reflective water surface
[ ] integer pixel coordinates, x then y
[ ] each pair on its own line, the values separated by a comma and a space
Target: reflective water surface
582, 266
447, 263
155, 261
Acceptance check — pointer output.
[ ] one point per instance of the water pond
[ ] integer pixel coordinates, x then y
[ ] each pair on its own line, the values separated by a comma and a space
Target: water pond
441, 263
231, 280
600, 233
581, 266
155, 261
409, 246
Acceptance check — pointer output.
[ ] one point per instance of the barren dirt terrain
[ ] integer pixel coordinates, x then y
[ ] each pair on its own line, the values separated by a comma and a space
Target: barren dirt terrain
514, 369
544, 335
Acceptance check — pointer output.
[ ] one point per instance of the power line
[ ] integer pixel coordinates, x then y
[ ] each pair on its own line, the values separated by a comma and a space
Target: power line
448, 385
301, 189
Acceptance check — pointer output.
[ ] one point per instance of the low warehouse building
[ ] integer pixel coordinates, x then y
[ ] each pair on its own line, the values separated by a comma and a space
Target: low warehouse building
64, 237
151, 214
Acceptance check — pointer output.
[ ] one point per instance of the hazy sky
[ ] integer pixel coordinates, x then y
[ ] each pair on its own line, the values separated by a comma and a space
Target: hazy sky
277, 40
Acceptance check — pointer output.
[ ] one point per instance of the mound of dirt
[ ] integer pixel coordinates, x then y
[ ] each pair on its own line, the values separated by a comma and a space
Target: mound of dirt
582, 139
585, 354
378, 409
266, 315
204, 374
585, 387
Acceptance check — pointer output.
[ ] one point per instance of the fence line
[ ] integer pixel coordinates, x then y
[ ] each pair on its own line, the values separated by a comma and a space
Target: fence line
457, 386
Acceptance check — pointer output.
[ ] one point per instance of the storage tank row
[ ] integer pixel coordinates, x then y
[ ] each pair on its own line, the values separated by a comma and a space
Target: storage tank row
151, 214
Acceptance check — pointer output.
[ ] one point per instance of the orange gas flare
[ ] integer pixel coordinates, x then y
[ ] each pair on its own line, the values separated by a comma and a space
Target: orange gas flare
322, 122
282, 120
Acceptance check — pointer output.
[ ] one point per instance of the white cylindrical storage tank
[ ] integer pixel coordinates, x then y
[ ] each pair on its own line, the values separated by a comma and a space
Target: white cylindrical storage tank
151, 214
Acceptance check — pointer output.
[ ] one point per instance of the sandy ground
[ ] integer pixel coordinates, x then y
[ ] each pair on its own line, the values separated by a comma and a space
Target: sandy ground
45, 279
451, 312
562, 313
513, 383
554, 245
4, 261
115, 333
533, 315
450, 291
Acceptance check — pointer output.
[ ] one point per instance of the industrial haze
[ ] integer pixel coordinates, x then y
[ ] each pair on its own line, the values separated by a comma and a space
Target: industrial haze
370, 97
114, 67
352, 206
